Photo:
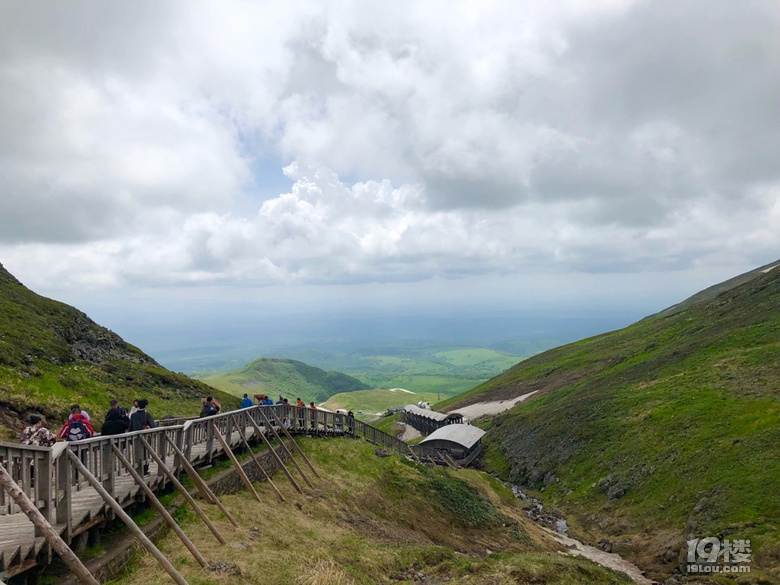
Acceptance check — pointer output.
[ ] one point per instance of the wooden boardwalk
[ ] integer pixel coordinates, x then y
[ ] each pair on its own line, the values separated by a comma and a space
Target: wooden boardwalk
73, 507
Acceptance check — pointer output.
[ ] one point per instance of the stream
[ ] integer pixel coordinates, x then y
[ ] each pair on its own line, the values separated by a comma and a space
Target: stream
560, 534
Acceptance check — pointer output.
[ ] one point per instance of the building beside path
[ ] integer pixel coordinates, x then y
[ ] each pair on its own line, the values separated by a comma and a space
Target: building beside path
462, 442
427, 421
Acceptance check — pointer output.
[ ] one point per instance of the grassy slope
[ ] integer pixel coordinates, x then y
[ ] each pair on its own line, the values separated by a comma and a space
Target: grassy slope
375, 520
679, 412
52, 355
290, 378
375, 401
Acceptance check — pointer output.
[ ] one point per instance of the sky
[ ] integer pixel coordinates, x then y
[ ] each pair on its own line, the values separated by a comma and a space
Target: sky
167, 161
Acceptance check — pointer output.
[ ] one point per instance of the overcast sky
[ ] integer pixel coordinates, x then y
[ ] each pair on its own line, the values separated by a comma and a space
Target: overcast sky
425, 153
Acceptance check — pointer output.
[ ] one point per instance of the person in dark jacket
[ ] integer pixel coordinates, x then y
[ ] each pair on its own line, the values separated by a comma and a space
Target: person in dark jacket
142, 419
115, 423
210, 407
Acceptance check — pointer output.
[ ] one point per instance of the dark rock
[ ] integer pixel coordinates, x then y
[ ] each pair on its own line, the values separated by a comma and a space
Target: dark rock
381, 453
604, 545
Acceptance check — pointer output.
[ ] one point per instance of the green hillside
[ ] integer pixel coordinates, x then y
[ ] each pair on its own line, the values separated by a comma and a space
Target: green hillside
290, 378
375, 520
663, 431
52, 355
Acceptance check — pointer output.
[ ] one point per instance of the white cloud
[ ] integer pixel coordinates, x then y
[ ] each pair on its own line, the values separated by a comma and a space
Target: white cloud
449, 140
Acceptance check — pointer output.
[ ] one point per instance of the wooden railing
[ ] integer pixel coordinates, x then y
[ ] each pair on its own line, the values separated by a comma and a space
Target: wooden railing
48, 476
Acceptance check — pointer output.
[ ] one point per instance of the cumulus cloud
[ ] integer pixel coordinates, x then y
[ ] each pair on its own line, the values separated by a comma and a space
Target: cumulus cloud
422, 140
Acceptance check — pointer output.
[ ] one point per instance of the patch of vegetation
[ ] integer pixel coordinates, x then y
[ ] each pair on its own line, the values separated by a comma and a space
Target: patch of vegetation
455, 496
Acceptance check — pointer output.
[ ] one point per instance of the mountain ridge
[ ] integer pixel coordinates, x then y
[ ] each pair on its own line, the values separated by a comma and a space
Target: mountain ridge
53, 355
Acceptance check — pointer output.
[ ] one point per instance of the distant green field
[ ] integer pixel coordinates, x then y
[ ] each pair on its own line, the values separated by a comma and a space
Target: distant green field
375, 401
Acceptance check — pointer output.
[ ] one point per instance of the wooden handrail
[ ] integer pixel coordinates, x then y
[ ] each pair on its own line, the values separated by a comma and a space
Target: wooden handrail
56, 481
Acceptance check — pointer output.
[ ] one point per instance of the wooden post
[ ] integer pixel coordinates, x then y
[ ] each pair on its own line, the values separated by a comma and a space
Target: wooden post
257, 462
160, 508
306, 459
275, 454
211, 497
236, 464
190, 500
414, 455
205, 493
267, 423
137, 532
35, 516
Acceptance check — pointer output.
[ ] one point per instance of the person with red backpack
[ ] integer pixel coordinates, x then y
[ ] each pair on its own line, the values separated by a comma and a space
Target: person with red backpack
77, 426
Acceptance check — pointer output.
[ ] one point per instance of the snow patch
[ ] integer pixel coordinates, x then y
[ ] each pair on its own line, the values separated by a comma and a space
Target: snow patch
474, 411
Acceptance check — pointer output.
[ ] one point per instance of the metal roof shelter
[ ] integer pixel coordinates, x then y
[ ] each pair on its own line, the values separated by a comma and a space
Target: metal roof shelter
464, 435
463, 442
427, 421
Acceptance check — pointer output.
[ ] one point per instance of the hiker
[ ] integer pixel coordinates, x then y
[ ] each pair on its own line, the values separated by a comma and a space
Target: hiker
300, 404
313, 414
77, 426
141, 419
350, 420
115, 423
37, 434
78, 409
122, 412
246, 402
210, 407
134, 408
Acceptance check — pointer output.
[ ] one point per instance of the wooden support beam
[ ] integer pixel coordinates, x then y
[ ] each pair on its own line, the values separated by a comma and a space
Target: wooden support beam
267, 443
137, 532
190, 500
269, 424
211, 497
306, 459
414, 455
52, 537
237, 465
259, 465
160, 508
205, 493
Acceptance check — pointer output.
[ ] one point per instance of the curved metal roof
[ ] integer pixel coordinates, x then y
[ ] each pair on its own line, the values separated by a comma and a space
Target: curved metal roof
425, 413
464, 435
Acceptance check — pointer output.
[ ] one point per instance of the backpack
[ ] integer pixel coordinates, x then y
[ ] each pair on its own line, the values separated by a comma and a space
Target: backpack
76, 431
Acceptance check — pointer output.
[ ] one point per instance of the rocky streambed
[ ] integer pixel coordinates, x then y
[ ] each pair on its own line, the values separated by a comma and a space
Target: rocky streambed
556, 525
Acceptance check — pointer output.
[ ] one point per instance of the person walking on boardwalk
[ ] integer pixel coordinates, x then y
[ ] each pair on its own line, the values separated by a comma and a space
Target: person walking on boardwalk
246, 402
37, 434
141, 419
77, 426
210, 407
115, 423
313, 415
